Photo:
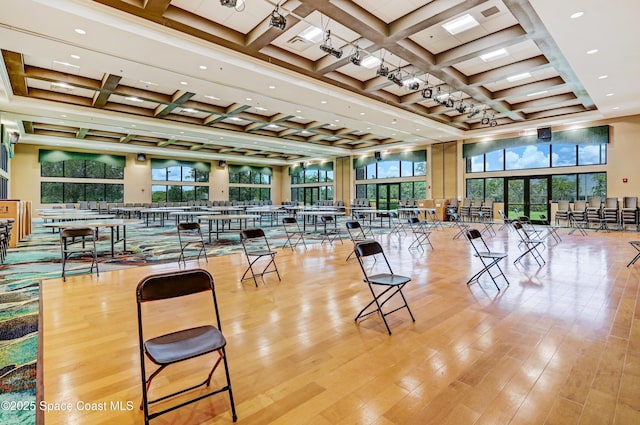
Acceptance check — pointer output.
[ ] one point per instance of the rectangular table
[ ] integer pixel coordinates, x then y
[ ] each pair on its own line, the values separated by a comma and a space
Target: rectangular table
113, 224
224, 218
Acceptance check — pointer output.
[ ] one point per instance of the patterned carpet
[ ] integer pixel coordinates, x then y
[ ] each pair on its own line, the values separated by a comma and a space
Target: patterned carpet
38, 258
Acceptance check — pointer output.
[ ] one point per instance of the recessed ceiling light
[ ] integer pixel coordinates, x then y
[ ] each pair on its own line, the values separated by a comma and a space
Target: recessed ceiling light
235, 118
133, 125
602, 77
361, 113
324, 101
592, 51
518, 77
576, 15
609, 94
312, 34
203, 67
80, 31
337, 120
299, 117
272, 87
537, 93
62, 85
260, 108
249, 99
189, 110
496, 54
616, 107
63, 116
370, 62
460, 24
75, 56
184, 83
212, 97
133, 99
272, 126
148, 83
66, 64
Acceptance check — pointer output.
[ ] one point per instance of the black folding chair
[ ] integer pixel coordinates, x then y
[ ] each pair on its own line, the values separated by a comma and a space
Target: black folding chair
256, 248
636, 245
69, 246
489, 259
295, 235
356, 234
457, 221
383, 286
530, 244
420, 233
189, 233
185, 343
329, 234
552, 230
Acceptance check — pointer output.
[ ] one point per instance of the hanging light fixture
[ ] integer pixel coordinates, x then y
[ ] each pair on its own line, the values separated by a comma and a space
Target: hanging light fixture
396, 78
277, 20
328, 48
382, 71
355, 57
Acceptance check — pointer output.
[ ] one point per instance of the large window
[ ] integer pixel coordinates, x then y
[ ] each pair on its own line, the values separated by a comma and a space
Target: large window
179, 193
78, 165
186, 181
309, 183
404, 164
247, 183
70, 192
248, 193
486, 188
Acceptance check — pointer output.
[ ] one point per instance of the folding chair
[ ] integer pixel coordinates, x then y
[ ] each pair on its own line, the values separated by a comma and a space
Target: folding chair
356, 234
433, 219
578, 218
185, 343
383, 286
530, 245
636, 245
551, 229
629, 211
487, 223
397, 223
420, 232
256, 248
362, 218
189, 233
293, 231
489, 259
69, 247
506, 221
328, 234
462, 227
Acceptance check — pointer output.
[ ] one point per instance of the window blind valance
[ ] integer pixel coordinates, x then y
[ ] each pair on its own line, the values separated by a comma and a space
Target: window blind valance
164, 163
414, 156
267, 171
581, 136
57, 156
325, 166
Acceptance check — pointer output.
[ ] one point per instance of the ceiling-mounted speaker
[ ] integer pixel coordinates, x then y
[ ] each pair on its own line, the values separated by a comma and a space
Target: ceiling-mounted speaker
544, 133
141, 157
377, 155
222, 163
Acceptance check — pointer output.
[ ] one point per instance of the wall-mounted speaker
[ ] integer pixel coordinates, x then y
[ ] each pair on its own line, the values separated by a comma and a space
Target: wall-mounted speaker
544, 133
14, 137
377, 155
141, 157
222, 163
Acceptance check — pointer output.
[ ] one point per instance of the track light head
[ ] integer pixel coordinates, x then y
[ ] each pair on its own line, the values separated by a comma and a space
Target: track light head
485, 121
355, 58
277, 20
427, 92
461, 108
413, 85
474, 111
396, 78
328, 48
493, 123
383, 71
449, 103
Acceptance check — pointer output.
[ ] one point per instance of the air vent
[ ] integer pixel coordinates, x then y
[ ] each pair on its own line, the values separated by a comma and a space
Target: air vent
490, 11
299, 43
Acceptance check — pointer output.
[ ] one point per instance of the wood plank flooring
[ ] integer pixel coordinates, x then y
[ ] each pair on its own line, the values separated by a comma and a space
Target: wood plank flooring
560, 345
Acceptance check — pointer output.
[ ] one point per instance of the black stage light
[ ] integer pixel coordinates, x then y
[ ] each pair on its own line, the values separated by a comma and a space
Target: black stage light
396, 78
493, 123
414, 85
474, 111
331, 50
222, 163
461, 108
449, 102
383, 71
277, 20
355, 58
141, 157
14, 137
427, 92
485, 121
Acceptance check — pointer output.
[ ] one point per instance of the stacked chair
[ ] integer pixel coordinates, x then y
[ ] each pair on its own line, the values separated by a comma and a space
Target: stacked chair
610, 212
465, 210
475, 209
594, 211
629, 211
6, 226
563, 212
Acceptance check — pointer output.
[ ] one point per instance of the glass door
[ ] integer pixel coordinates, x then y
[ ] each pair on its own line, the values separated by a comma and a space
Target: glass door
311, 195
388, 196
527, 196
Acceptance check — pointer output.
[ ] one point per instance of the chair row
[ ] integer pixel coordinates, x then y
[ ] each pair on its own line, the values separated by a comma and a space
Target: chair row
475, 210
595, 211
6, 227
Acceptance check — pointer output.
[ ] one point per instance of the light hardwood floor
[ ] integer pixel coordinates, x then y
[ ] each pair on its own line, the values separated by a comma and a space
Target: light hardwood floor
561, 345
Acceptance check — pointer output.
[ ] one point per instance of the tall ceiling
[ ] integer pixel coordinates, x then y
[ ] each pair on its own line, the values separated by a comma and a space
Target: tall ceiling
193, 78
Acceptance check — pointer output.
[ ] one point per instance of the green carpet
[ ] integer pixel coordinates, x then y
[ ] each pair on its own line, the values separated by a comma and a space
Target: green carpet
37, 258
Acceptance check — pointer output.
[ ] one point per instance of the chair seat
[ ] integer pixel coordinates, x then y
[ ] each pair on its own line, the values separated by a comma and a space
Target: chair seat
184, 344
260, 253
491, 254
388, 279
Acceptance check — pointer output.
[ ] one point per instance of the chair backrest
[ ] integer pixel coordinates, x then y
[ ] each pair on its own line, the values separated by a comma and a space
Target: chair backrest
71, 232
563, 205
579, 206
611, 203
326, 218
595, 202
351, 225
246, 234
174, 284
188, 226
414, 220
475, 238
630, 202
367, 248
289, 220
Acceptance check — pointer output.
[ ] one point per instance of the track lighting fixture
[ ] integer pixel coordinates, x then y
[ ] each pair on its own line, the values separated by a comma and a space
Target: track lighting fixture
328, 48
427, 92
413, 84
355, 57
461, 108
474, 111
485, 120
383, 71
228, 3
449, 102
277, 20
396, 78
493, 123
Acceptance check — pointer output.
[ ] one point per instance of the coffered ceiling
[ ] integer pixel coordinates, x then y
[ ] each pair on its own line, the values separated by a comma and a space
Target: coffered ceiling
194, 78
